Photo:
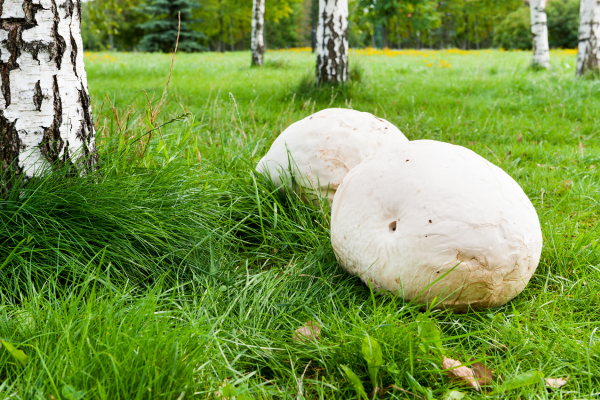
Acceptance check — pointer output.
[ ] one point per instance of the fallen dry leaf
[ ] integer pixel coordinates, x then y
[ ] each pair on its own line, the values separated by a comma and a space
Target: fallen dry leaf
309, 331
484, 374
460, 372
556, 383
519, 138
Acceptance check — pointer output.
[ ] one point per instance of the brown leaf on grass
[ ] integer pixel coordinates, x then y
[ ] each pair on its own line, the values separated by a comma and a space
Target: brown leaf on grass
484, 374
520, 137
309, 331
460, 372
556, 383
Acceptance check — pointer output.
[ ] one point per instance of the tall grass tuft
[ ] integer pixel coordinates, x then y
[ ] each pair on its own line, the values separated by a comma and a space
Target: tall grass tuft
307, 87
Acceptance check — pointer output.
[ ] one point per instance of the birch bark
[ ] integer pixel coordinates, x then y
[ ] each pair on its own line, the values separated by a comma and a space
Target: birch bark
257, 44
332, 41
45, 112
539, 30
588, 53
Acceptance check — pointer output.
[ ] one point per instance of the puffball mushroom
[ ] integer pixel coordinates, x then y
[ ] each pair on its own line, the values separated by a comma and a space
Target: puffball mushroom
322, 148
434, 211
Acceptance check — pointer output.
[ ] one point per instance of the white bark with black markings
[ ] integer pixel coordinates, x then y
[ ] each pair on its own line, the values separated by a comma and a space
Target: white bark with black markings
45, 112
332, 41
588, 53
539, 30
257, 44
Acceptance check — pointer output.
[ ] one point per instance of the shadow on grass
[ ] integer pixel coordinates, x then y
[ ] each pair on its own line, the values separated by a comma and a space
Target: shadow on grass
330, 93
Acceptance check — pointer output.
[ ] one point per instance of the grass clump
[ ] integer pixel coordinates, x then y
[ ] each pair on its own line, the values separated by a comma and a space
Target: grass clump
330, 93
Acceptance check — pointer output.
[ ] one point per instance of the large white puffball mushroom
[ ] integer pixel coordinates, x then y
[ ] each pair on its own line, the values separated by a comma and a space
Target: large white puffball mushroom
403, 219
321, 149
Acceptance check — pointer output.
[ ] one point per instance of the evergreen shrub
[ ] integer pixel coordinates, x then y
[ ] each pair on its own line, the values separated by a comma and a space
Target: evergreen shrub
162, 29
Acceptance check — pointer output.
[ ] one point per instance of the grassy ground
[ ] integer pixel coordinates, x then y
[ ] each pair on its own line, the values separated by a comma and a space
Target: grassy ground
176, 269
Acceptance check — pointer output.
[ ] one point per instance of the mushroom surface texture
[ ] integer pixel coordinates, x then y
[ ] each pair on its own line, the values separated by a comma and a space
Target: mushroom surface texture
436, 223
321, 149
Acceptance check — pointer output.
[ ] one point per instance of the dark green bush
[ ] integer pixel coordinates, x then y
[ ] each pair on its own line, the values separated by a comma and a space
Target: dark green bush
514, 33
563, 23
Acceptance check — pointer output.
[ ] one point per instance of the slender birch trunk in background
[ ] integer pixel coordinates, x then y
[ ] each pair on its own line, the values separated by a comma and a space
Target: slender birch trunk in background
313, 33
588, 53
257, 44
332, 41
45, 112
539, 30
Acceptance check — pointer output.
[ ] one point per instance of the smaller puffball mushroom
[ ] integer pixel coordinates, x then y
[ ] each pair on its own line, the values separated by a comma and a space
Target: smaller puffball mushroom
435, 222
321, 149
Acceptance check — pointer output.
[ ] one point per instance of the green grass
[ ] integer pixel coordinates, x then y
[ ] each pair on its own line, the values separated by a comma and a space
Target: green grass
176, 268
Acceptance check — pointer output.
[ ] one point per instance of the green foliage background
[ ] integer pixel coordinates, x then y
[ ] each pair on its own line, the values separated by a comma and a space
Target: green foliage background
563, 24
224, 25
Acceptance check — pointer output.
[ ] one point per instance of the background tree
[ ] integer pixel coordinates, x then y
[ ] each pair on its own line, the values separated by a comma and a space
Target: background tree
292, 29
588, 53
226, 24
163, 28
392, 20
563, 23
539, 32
427, 23
379, 13
45, 113
258, 37
514, 33
112, 24
332, 41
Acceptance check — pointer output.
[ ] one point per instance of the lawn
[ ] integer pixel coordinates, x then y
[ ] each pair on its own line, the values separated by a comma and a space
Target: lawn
176, 272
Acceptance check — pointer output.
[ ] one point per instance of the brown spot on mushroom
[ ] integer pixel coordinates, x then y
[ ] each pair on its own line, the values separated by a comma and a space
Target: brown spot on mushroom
406, 160
430, 221
393, 226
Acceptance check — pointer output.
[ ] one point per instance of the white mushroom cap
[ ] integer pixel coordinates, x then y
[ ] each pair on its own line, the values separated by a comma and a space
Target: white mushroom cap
404, 218
323, 147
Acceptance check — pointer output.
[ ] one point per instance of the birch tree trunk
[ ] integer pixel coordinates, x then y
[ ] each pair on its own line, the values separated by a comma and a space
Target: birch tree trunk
588, 53
332, 41
539, 30
257, 44
45, 112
